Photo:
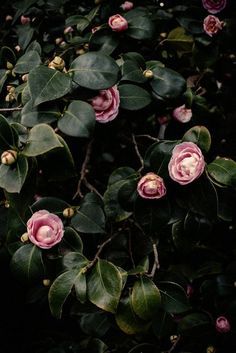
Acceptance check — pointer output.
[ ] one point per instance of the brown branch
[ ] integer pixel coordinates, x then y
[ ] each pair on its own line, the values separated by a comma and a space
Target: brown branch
156, 264
91, 187
11, 109
84, 170
138, 153
149, 137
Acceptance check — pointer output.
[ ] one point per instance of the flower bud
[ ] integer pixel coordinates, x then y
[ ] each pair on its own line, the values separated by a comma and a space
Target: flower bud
148, 74
58, 40
9, 157
57, 63
46, 282
127, 5
68, 30
80, 51
210, 349
8, 18
9, 65
173, 338
25, 77
24, 238
17, 48
151, 186
24, 20
222, 324
68, 212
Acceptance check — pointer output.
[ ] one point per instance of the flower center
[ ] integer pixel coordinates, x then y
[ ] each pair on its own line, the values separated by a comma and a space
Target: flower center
44, 233
152, 186
188, 165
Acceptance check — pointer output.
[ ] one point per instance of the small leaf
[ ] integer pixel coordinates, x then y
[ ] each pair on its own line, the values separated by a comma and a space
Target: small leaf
133, 97
146, 298
131, 71
199, 135
94, 70
46, 84
6, 134
174, 299
71, 240
223, 171
41, 139
13, 177
27, 263
104, 286
78, 120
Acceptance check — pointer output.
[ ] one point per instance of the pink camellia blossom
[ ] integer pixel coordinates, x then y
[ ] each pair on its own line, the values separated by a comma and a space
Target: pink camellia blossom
186, 164
24, 20
182, 114
118, 23
45, 229
106, 104
212, 25
127, 5
151, 186
222, 324
214, 6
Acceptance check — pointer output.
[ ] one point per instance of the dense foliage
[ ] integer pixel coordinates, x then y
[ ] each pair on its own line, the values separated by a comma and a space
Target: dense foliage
117, 176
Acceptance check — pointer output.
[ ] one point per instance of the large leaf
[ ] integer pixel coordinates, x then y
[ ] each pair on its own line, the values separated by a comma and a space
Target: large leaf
199, 135
223, 171
13, 177
51, 204
3, 77
6, 134
46, 84
71, 240
27, 62
74, 261
167, 83
104, 41
146, 298
179, 40
140, 27
45, 113
60, 290
127, 320
131, 71
94, 70
41, 139
27, 263
78, 120
105, 285
133, 97
174, 299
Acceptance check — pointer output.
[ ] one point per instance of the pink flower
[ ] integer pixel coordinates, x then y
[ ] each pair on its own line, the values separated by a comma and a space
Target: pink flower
186, 164
45, 229
118, 23
182, 114
151, 186
212, 25
24, 20
214, 6
127, 5
68, 30
106, 104
222, 324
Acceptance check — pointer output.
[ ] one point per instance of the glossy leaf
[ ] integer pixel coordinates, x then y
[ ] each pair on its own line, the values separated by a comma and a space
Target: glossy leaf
74, 261
223, 171
199, 135
133, 97
13, 177
140, 27
6, 134
46, 113
174, 299
27, 62
72, 240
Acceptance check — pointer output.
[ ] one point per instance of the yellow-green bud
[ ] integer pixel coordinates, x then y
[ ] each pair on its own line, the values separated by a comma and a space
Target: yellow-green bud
25, 77
24, 238
9, 65
9, 157
210, 349
148, 74
68, 212
57, 63
46, 282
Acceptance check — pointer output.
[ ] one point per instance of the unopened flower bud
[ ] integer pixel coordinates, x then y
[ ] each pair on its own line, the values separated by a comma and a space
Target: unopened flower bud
68, 212
80, 51
58, 40
222, 324
46, 282
9, 65
86, 46
148, 73
57, 63
8, 18
210, 349
24, 238
25, 77
68, 30
17, 48
173, 338
7, 204
9, 157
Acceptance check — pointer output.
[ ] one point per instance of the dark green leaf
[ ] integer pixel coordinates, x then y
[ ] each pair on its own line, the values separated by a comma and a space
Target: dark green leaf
72, 240
74, 261
174, 299
131, 71
140, 27
223, 171
6, 134
27, 62
46, 113
199, 135
133, 97
13, 177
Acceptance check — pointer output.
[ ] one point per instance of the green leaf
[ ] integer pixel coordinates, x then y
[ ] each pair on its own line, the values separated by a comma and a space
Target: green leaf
104, 286
41, 139
46, 113
174, 299
3, 78
46, 84
60, 290
6, 134
81, 287
131, 71
51, 204
146, 298
78, 120
199, 135
195, 324
13, 177
167, 83
140, 27
27, 263
133, 97
89, 217
94, 70
141, 268
179, 40
74, 261
104, 42
71, 240
223, 171
126, 319
27, 62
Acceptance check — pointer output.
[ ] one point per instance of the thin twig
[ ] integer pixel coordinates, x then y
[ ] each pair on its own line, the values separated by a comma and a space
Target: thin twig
91, 187
149, 137
100, 248
174, 344
138, 153
84, 170
11, 109
156, 264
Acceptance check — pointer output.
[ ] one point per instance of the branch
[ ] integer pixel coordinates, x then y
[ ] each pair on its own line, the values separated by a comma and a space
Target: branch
15, 109
91, 187
84, 170
149, 137
174, 344
138, 153
156, 264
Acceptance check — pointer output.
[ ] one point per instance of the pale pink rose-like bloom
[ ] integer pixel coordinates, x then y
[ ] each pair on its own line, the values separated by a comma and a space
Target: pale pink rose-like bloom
127, 5
182, 114
212, 25
186, 164
45, 229
24, 20
151, 186
118, 23
106, 104
222, 324
214, 6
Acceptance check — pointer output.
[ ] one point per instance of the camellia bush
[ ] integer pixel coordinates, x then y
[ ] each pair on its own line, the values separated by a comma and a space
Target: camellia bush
117, 176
